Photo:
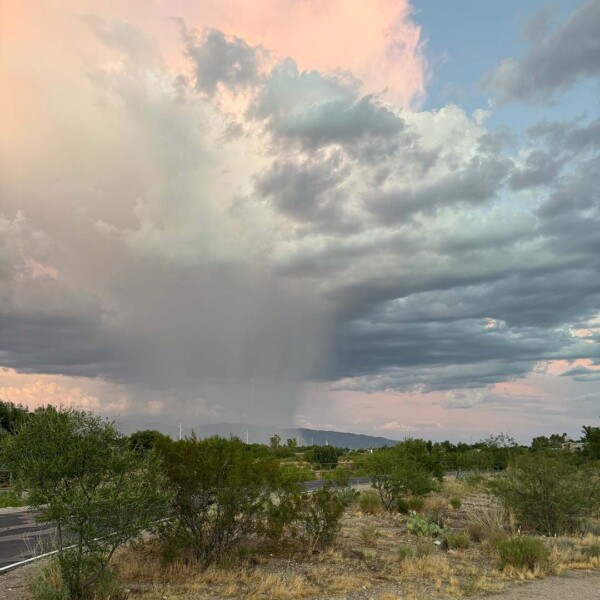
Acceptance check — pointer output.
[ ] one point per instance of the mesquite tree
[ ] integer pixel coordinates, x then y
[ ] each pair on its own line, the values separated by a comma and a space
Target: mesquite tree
82, 476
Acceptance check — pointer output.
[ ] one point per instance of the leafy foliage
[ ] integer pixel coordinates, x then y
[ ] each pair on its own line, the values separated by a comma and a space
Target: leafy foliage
550, 492
10, 499
82, 477
326, 456
11, 416
523, 552
542, 442
222, 493
591, 437
370, 502
320, 517
457, 541
146, 440
406, 469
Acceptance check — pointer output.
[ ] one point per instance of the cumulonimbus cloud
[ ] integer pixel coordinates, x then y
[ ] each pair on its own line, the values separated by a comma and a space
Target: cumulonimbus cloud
229, 231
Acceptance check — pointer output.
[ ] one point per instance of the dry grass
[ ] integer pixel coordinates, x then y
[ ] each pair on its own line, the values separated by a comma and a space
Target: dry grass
365, 558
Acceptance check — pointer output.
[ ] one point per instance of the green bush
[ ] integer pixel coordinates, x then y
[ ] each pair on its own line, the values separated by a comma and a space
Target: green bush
369, 502
83, 478
424, 527
223, 493
48, 583
457, 541
405, 552
341, 476
486, 523
455, 502
348, 495
416, 503
10, 499
325, 456
407, 469
523, 552
592, 551
550, 492
320, 518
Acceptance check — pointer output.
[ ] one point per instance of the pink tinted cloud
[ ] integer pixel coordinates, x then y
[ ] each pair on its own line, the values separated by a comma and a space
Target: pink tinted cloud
558, 367
375, 40
35, 390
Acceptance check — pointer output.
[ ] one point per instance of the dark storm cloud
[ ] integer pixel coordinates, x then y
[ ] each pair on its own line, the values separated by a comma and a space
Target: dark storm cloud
568, 134
47, 328
578, 192
510, 324
307, 190
321, 237
317, 110
222, 60
581, 373
476, 182
338, 121
554, 62
540, 168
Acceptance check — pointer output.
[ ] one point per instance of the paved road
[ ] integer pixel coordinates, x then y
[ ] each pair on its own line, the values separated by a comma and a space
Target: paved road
21, 537
317, 484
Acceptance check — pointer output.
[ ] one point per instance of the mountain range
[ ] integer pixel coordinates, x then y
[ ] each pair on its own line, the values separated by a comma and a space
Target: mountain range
261, 433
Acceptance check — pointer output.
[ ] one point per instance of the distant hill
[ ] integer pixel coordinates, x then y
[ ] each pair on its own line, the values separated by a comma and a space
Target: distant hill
261, 433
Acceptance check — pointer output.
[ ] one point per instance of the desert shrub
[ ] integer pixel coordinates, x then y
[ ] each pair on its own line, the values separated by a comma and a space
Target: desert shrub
474, 480
370, 502
48, 584
550, 492
457, 541
592, 551
320, 518
278, 522
223, 493
341, 476
424, 549
402, 506
424, 527
455, 502
591, 437
408, 468
416, 503
324, 456
523, 552
369, 535
486, 523
82, 477
405, 552
348, 495
10, 499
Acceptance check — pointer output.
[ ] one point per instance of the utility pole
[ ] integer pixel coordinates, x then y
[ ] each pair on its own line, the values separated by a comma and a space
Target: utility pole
180, 431
246, 437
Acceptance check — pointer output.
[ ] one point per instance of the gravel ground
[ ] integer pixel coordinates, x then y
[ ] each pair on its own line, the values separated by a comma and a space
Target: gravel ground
576, 585
13, 584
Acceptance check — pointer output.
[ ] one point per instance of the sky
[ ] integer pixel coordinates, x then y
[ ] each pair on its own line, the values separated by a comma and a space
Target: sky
380, 217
